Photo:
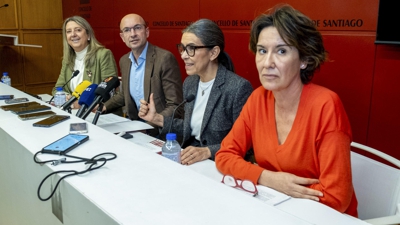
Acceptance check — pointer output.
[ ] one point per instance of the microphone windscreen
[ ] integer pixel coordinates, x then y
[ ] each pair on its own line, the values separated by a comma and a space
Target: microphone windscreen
190, 98
88, 95
75, 73
80, 88
106, 87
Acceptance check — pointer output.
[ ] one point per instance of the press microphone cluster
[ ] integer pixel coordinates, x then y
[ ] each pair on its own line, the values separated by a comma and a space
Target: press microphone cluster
188, 99
76, 94
74, 74
86, 99
103, 93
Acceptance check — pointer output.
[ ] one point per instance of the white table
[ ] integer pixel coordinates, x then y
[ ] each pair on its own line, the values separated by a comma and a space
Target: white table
139, 187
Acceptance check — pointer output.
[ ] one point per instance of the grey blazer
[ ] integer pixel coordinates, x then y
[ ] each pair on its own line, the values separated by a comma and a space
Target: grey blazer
227, 97
162, 77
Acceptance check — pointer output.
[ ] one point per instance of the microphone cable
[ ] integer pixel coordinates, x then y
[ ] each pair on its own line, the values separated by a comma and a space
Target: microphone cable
96, 162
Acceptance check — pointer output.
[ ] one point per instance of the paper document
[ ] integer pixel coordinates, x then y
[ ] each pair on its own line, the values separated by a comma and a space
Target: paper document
267, 195
126, 125
151, 143
109, 118
271, 196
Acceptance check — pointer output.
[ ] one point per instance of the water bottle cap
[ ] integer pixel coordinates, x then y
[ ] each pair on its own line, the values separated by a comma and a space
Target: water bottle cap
171, 136
59, 88
5, 73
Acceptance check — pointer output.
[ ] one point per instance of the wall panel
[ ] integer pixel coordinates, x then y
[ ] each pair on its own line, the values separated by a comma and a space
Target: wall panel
385, 122
8, 15
45, 14
42, 65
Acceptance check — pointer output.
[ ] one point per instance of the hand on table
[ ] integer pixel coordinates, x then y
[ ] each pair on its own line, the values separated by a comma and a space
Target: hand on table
192, 154
290, 184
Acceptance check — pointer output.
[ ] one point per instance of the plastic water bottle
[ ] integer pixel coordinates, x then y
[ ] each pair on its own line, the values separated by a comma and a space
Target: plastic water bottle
59, 97
6, 79
171, 148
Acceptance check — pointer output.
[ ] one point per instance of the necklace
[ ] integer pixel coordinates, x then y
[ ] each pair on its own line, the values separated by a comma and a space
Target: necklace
204, 89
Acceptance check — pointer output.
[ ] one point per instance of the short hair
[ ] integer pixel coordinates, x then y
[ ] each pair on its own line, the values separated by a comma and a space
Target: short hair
296, 30
93, 45
210, 34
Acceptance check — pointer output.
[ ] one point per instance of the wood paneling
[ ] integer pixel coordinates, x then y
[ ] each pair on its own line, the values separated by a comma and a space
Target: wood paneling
8, 15
43, 14
34, 70
11, 61
42, 65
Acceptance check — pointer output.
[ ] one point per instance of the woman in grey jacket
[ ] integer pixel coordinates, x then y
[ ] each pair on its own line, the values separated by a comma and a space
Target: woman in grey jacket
219, 93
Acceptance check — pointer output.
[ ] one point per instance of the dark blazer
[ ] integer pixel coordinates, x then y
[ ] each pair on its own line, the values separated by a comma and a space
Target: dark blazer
162, 77
227, 97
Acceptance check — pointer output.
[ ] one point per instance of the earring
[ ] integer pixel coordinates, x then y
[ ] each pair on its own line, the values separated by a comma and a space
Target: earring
302, 66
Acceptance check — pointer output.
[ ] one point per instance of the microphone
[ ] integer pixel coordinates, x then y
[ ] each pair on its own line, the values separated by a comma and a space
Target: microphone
103, 92
76, 94
5, 5
188, 99
74, 74
86, 99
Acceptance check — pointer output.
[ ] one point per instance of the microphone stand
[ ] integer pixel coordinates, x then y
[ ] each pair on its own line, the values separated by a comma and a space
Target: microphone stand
98, 112
74, 74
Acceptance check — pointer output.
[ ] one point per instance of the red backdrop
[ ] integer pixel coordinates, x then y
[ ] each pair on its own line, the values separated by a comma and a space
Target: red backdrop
362, 73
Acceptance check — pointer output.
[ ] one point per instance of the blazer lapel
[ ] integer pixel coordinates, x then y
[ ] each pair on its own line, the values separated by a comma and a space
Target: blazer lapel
148, 71
215, 94
189, 106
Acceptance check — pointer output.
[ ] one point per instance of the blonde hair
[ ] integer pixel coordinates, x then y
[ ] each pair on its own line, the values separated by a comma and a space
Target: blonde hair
93, 45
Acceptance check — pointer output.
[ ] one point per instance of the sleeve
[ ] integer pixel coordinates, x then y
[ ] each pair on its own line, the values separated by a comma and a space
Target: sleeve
118, 99
108, 67
335, 171
241, 94
333, 148
172, 86
230, 158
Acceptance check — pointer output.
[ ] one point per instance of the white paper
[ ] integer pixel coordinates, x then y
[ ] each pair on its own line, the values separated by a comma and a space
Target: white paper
126, 125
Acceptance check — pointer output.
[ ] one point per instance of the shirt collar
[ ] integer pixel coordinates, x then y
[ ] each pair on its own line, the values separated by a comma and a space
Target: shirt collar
142, 56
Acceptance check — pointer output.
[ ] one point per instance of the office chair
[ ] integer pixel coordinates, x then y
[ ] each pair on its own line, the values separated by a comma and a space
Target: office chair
377, 186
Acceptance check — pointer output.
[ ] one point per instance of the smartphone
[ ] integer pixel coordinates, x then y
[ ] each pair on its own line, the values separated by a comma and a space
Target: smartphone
65, 144
30, 109
36, 115
2, 97
51, 121
15, 100
20, 105
78, 128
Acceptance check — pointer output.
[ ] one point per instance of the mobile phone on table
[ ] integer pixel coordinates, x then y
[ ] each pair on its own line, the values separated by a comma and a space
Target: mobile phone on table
36, 115
51, 121
30, 109
20, 105
15, 100
78, 128
65, 144
2, 97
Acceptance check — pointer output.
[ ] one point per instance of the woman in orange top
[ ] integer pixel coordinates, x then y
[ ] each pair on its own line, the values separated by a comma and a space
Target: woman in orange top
299, 131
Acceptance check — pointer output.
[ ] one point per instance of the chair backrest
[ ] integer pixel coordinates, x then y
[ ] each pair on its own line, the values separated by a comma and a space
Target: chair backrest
377, 186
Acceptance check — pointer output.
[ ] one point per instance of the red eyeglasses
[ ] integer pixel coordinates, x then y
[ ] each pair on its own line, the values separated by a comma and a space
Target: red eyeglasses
246, 185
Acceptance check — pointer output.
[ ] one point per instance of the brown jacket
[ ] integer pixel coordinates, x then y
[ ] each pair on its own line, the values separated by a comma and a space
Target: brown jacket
162, 78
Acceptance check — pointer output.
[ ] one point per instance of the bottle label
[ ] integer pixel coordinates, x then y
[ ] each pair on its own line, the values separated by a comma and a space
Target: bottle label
176, 156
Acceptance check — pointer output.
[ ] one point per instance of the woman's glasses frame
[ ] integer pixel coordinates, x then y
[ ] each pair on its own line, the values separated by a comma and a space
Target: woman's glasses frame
245, 185
191, 49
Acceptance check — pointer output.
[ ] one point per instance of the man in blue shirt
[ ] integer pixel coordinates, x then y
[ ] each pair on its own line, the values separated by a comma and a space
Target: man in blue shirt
146, 69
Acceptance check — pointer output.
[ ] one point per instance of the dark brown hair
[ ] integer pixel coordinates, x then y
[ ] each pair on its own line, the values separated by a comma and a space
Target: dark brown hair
296, 30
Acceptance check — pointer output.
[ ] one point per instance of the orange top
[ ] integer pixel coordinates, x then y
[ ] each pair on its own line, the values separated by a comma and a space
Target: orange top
318, 145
